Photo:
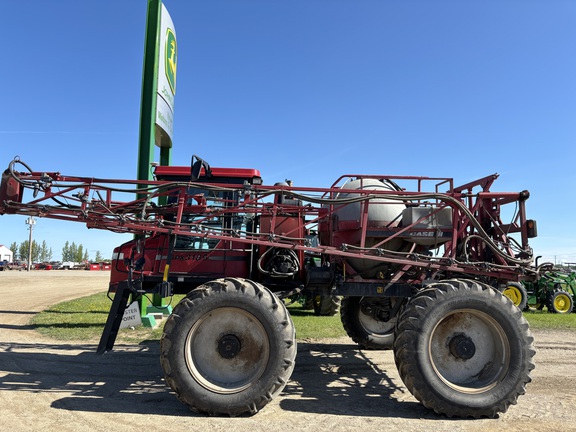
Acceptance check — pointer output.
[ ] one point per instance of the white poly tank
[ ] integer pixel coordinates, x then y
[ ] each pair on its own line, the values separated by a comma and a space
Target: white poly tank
382, 213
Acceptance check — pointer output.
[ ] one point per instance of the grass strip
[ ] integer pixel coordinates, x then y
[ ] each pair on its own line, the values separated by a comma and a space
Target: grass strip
84, 318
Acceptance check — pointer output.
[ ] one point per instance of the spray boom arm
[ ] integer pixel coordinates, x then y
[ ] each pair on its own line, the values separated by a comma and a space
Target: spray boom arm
474, 240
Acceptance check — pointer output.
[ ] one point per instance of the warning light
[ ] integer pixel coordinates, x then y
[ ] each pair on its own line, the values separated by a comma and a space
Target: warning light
531, 228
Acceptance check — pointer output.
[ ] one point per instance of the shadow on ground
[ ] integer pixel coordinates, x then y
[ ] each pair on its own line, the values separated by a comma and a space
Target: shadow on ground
340, 379
328, 379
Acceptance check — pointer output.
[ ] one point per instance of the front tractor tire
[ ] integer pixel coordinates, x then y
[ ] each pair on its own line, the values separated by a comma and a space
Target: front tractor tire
228, 348
463, 349
516, 292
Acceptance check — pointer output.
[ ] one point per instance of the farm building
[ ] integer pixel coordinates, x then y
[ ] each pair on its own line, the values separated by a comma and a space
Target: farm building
6, 254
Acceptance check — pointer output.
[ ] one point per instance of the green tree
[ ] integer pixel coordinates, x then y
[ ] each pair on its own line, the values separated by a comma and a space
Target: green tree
45, 253
15, 250
98, 257
79, 254
67, 252
23, 250
73, 252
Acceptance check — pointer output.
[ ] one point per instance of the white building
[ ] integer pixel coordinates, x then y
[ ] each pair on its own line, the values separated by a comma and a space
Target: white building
6, 254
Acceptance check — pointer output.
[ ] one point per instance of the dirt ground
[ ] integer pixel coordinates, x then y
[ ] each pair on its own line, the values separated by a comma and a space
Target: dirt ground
50, 385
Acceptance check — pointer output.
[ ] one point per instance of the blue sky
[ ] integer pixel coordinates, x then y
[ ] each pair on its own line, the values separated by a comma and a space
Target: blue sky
305, 90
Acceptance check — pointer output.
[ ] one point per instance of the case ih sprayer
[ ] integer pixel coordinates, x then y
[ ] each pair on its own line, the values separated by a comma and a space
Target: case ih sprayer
420, 263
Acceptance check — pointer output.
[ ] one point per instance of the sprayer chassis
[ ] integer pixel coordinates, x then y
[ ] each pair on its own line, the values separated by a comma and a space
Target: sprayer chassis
429, 277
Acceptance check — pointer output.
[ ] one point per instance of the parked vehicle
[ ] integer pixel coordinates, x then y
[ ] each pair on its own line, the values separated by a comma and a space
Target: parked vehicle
71, 265
555, 289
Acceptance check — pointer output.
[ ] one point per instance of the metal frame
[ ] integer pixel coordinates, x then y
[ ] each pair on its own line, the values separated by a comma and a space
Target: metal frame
95, 202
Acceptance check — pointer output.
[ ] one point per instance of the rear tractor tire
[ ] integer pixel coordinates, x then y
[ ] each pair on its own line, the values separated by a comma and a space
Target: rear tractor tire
463, 349
560, 302
323, 305
228, 348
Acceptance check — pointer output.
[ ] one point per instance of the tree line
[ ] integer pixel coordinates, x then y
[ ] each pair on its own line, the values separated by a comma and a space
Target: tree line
42, 253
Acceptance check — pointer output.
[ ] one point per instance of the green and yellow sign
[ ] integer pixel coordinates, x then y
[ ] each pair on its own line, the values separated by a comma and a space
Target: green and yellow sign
166, 87
170, 59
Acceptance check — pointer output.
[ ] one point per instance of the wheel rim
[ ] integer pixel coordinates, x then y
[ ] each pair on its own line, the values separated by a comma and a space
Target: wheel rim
514, 294
535, 306
469, 351
562, 303
376, 327
227, 350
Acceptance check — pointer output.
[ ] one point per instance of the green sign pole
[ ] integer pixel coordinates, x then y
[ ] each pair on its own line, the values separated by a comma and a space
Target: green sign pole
165, 156
158, 89
149, 86
155, 120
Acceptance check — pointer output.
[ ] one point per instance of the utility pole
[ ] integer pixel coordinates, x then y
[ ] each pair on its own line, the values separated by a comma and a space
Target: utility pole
31, 222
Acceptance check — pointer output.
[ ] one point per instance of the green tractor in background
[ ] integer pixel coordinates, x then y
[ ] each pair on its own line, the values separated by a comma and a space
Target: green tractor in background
323, 305
556, 289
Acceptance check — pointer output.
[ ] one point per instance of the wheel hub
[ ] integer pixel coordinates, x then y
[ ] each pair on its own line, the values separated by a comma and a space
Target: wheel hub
561, 303
462, 347
229, 346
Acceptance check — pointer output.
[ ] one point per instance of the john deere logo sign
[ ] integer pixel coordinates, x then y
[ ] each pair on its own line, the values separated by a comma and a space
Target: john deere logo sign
171, 58
166, 81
